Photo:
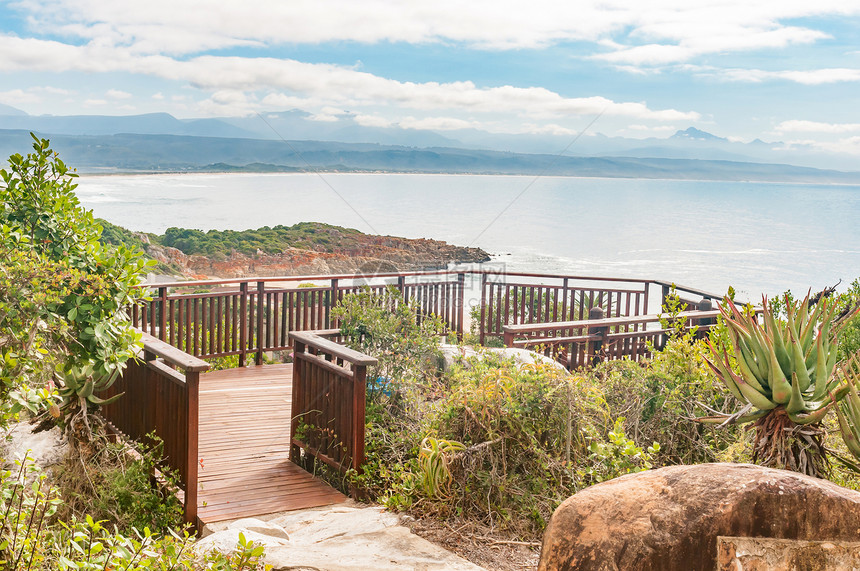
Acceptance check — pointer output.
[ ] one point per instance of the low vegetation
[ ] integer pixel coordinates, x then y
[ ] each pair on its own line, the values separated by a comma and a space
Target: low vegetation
500, 444
64, 336
314, 236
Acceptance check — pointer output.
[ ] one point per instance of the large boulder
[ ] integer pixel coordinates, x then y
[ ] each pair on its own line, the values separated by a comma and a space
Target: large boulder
669, 519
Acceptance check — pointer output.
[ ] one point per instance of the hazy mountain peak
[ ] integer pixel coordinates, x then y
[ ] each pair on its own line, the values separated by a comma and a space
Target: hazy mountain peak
696, 134
11, 111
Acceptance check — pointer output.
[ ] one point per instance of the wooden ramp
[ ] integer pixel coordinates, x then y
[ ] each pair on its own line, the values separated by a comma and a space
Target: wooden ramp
244, 447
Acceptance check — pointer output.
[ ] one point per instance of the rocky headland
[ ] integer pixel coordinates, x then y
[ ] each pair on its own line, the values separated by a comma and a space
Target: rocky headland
303, 249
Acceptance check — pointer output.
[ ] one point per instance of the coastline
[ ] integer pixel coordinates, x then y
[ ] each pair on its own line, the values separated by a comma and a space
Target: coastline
458, 174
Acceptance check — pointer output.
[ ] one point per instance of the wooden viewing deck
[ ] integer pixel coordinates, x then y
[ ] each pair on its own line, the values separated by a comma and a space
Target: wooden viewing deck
241, 441
244, 468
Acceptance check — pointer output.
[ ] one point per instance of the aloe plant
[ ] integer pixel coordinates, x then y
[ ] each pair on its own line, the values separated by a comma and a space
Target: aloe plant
785, 374
848, 410
433, 460
77, 386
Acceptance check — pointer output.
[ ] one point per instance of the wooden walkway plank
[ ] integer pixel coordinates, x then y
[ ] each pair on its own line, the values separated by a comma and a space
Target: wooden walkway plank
244, 467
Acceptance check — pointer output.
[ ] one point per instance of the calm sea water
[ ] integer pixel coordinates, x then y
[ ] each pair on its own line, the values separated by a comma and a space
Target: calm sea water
757, 237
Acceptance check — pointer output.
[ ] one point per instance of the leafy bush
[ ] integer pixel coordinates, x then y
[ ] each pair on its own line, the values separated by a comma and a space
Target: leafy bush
83, 287
661, 398
115, 484
270, 240
32, 538
405, 342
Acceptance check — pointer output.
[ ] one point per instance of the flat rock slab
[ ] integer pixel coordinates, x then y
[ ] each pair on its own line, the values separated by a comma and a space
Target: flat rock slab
766, 554
336, 538
45, 448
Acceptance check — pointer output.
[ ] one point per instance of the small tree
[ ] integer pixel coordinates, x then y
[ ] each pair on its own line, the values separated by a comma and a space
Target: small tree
66, 319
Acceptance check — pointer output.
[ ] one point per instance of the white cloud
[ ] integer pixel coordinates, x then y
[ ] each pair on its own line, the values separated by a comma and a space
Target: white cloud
371, 120
847, 145
50, 90
800, 126
95, 102
733, 38
158, 96
631, 31
15, 96
117, 94
324, 117
437, 123
653, 128
805, 77
33, 94
231, 103
549, 129
318, 85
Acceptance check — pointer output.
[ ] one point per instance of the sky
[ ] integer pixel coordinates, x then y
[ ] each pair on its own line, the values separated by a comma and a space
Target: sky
777, 70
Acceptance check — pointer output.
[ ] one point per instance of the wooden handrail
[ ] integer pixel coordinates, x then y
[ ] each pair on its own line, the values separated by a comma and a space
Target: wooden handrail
312, 339
314, 277
687, 289
173, 355
608, 322
448, 272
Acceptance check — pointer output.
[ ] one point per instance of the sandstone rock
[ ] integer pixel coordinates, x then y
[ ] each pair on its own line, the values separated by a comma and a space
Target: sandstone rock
669, 519
262, 527
765, 554
45, 448
339, 538
226, 541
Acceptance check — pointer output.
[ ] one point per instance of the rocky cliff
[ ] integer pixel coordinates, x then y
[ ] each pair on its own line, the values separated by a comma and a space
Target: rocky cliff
366, 254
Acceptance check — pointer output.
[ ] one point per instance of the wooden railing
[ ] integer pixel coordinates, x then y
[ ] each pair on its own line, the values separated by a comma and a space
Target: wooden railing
328, 402
584, 343
251, 317
515, 298
159, 399
242, 317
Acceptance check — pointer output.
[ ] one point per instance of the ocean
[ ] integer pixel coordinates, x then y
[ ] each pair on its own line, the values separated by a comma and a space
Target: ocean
757, 237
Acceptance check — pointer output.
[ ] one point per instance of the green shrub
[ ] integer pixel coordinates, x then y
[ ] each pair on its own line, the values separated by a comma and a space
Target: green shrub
404, 341
115, 484
81, 287
661, 398
32, 538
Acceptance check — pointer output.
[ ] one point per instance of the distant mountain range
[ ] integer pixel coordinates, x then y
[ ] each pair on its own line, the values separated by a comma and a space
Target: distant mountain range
293, 141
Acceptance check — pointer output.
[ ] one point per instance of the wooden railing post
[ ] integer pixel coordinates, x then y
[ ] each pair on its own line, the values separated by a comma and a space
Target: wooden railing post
261, 304
461, 304
243, 323
401, 287
509, 337
298, 386
162, 319
667, 289
647, 294
481, 332
564, 286
358, 412
192, 411
332, 303
596, 345
705, 323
